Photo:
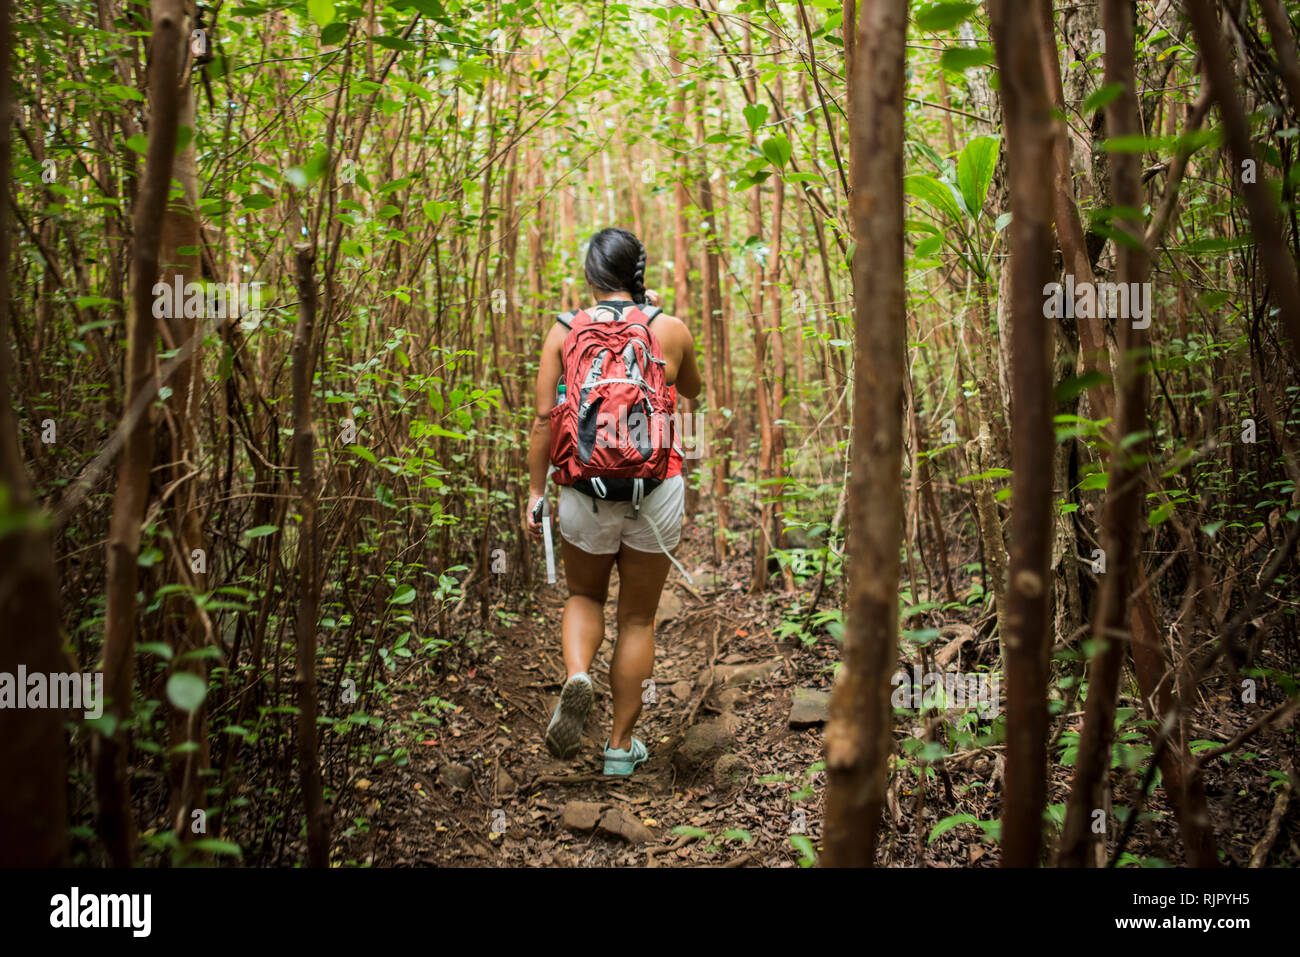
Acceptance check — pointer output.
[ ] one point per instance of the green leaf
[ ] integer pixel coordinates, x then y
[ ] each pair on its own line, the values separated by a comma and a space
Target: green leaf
777, 150
430, 8
439, 430
755, 114
261, 531
433, 209
1069, 388
186, 690
1101, 96
928, 246
686, 830
805, 847
92, 302
212, 845
948, 823
322, 11
961, 59
1160, 514
122, 92
1130, 143
396, 43
943, 16
404, 595
975, 168
333, 33
937, 194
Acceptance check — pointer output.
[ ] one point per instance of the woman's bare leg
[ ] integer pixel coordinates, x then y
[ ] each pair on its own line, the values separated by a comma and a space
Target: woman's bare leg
582, 629
641, 577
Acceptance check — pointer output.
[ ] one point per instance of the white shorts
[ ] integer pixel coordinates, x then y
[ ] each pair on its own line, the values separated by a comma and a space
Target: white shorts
610, 525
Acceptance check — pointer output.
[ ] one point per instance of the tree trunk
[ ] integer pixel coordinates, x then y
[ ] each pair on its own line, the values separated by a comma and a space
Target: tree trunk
176, 456
1028, 125
1273, 252
858, 740
33, 800
308, 564
1124, 488
131, 495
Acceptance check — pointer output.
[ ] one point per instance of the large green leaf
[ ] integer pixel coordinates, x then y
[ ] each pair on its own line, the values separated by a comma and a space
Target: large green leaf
975, 168
322, 11
777, 150
937, 194
186, 690
943, 16
961, 59
755, 115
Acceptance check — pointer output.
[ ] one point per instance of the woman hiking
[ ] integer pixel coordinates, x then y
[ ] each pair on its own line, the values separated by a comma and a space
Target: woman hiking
622, 495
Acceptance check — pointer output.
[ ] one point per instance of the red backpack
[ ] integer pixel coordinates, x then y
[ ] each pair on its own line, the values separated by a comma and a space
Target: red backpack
612, 432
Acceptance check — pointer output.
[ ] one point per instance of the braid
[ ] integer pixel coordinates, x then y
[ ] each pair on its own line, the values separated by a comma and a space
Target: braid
616, 260
636, 288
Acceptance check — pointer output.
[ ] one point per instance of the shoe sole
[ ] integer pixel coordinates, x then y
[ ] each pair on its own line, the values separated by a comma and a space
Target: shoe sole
624, 774
564, 736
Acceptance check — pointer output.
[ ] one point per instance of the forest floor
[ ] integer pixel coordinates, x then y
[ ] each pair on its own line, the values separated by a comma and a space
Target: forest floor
728, 763
485, 791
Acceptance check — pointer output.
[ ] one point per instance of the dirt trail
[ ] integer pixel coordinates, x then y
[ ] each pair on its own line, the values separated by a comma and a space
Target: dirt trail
729, 761
484, 791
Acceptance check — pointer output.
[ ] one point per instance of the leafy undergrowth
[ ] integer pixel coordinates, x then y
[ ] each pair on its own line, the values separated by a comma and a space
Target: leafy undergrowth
478, 788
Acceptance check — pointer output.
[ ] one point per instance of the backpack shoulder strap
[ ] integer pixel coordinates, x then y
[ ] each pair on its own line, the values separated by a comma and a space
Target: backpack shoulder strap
650, 312
566, 318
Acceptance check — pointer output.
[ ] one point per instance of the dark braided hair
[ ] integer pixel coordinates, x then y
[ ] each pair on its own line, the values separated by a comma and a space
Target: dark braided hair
616, 260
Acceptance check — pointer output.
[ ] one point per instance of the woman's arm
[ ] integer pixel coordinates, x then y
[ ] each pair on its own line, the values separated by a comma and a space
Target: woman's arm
539, 436
688, 382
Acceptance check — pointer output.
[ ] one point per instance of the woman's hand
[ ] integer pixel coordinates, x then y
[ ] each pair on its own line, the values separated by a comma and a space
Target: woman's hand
531, 526
652, 297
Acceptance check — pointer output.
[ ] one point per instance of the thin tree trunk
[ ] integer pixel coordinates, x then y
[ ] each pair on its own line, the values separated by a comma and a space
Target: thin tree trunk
1279, 28
176, 456
318, 826
1124, 491
1273, 252
858, 740
33, 800
1148, 657
1028, 125
1181, 776
132, 493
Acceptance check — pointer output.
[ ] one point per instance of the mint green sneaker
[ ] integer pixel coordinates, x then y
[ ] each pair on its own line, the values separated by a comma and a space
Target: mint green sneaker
564, 733
623, 761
